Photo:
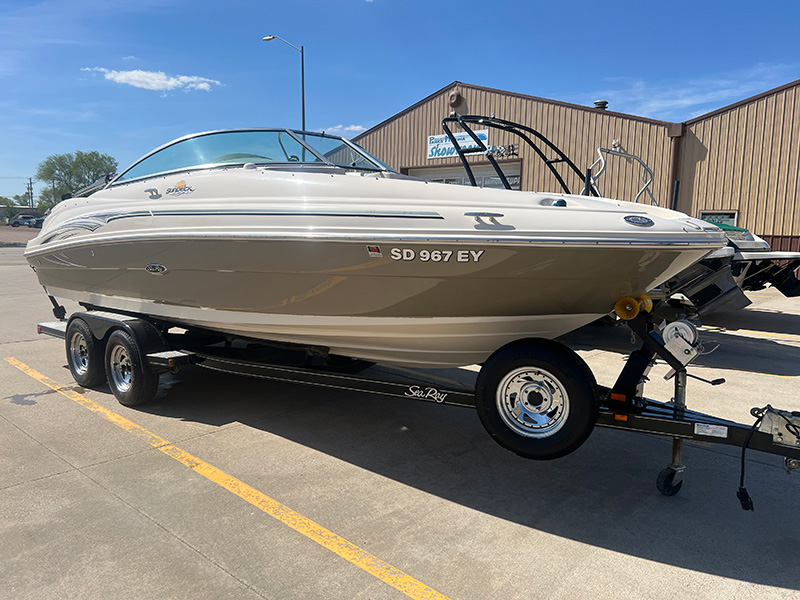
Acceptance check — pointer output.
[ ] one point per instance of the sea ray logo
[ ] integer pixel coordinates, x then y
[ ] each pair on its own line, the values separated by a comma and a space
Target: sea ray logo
180, 189
425, 393
156, 269
639, 221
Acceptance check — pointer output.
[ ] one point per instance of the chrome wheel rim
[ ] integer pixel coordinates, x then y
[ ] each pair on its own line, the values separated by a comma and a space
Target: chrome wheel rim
79, 353
120, 365
532, 402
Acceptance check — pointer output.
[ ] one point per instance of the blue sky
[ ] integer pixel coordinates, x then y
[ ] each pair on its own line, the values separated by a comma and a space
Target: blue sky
123, 77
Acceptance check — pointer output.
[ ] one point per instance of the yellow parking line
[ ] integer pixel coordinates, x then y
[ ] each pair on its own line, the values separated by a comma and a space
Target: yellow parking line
788, 336
324, 537
769, 334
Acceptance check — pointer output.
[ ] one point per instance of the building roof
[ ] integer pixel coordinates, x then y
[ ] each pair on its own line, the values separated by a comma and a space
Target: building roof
718, 111
580, 107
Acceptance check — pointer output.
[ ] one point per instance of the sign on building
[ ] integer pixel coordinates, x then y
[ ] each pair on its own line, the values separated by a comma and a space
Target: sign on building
440, 146
722, 217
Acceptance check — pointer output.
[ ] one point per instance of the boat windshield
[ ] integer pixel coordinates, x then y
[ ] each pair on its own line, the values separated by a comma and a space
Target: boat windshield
252, 146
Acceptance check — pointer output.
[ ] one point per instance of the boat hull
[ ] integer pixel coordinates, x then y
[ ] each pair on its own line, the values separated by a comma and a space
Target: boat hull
374, 299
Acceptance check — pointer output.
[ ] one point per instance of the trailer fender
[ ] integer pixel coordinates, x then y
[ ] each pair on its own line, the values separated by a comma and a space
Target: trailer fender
148, 338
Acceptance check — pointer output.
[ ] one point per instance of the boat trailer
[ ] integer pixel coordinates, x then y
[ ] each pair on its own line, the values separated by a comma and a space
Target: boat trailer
623, 406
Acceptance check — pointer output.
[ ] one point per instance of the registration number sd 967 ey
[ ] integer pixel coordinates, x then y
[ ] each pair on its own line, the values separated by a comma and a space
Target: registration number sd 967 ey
461, 256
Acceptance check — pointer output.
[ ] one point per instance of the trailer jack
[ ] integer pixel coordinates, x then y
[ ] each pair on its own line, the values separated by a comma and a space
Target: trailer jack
774, 431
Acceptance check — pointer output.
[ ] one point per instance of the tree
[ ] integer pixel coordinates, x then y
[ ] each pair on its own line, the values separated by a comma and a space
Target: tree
11, 206
65, 173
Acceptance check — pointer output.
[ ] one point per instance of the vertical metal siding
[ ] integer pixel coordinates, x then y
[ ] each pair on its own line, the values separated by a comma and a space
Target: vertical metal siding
746, 159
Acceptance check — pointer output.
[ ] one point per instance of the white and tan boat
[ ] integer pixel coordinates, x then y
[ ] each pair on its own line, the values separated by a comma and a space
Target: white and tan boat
305, 238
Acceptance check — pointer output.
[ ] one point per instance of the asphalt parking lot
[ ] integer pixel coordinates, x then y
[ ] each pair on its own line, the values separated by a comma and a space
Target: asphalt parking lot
229, 487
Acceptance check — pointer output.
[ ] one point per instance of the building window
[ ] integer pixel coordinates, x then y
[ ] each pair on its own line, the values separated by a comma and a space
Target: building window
484, 177
495, 182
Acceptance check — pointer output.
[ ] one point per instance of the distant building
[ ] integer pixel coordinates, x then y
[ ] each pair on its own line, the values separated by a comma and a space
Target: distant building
739, 163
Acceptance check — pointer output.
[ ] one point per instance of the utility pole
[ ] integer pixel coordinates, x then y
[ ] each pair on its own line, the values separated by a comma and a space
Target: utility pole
30, 192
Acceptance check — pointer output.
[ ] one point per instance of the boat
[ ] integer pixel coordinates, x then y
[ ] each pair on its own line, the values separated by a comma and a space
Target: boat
305, 238
718, 282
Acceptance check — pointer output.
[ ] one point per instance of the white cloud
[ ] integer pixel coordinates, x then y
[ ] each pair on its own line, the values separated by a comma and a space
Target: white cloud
683, 100
131, 57
156, 80
344, 130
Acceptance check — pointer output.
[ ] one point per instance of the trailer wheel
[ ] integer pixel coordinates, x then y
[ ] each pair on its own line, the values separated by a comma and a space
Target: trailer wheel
127, 373
84, 354
665, 482
537, 398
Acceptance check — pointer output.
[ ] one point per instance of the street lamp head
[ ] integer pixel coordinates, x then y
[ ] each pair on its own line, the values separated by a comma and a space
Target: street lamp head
269, 38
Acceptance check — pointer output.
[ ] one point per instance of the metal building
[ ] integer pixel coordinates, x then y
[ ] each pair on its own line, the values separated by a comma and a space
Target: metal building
739, 164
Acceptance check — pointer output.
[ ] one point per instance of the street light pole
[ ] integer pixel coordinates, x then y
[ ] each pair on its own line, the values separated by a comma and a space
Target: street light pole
269, 38
303, 86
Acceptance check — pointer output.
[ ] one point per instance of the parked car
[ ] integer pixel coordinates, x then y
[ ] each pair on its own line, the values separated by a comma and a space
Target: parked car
37, 222
23, 219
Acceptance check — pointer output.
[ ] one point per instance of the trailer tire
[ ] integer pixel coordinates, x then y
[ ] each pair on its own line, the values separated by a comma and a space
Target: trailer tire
537, 398
84, 354
131, 380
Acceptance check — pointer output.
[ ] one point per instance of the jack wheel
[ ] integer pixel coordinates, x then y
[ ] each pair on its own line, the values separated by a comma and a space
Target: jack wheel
128, 375
84, 355
664, 482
